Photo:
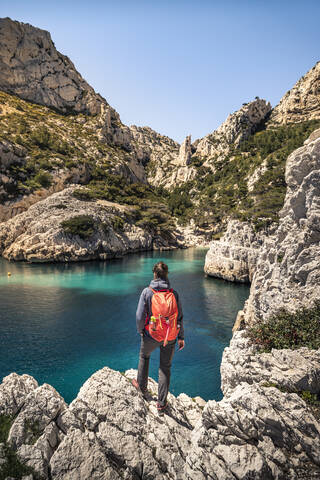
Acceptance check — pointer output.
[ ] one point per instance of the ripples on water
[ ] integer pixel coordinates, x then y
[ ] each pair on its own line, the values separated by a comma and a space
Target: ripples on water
60, 323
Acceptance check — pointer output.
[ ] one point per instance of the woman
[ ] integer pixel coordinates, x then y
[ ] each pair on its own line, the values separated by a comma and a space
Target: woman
159, 322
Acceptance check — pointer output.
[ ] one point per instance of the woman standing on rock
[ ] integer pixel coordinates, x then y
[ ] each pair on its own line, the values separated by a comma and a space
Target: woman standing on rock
159, 322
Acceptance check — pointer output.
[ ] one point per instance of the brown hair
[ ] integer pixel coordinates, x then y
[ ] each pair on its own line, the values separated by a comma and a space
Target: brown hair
161, 270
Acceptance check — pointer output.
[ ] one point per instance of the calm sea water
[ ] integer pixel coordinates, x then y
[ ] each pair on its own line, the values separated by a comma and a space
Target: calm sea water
61, 323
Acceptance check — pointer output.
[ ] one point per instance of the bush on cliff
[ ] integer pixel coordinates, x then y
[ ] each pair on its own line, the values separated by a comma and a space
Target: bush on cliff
288, 330
82, 225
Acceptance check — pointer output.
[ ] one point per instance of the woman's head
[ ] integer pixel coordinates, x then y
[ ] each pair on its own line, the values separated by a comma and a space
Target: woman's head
160, 270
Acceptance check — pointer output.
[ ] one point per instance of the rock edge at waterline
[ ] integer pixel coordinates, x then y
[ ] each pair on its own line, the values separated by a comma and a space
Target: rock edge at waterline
110, 432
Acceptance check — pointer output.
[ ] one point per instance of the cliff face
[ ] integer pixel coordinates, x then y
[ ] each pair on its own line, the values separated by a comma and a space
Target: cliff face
288, 270
32, 68
110, 432
237, 127
234, 257
282, 262
37, 235
300, 103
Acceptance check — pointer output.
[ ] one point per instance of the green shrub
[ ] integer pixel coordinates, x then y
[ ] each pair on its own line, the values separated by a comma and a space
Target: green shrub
82, 225
288, 330
83, 194
117, 223
43, 178
5, 425
41, 137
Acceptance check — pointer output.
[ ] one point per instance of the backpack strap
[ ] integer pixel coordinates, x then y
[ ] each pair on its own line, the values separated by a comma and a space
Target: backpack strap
164, 290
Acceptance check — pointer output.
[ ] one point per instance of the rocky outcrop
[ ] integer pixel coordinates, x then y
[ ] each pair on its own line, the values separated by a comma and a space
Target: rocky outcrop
237, 127
292, 370
288, 271
36, 235
110, 431
301, 103
33, 412
185, 152
234, 257
32, 68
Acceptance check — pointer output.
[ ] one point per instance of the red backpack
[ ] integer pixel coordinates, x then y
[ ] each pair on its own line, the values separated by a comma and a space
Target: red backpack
162, 324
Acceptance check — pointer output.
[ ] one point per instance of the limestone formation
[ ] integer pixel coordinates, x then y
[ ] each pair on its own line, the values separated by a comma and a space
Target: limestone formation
235, 255
237, 127
32, 68
37, 235
288, 270
185, 152
110, 431
292, 370
301, 103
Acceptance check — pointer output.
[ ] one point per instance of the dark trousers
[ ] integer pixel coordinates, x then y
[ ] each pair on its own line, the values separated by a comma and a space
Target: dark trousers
148, 344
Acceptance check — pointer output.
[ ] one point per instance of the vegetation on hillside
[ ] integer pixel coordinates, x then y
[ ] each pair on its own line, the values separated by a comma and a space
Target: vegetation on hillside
288, 330
224, 193
50, 143
57, 145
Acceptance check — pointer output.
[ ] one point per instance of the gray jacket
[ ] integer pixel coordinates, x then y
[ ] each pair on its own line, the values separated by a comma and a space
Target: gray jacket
144, 306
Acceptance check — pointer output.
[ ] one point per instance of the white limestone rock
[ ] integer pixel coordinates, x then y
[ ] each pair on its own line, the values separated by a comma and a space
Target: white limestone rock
254, 433
123, 432
295, 370
234, 257
287, 273
13, 391
185, 152
36, 235
236, 128
301, 103
32, 68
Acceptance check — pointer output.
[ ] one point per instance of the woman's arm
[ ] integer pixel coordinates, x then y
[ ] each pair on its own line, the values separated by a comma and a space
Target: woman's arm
141, 312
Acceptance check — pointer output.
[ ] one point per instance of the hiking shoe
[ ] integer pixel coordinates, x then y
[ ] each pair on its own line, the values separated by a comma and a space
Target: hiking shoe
160, 407
146, 395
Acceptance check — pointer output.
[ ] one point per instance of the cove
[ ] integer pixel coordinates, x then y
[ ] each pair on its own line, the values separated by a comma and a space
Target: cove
62, 322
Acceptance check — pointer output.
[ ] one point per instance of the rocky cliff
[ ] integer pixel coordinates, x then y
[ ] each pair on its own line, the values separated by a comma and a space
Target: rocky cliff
282, 261
106, 230
236, 128
234, 257
33, 69
287, 273
302, 102
110, 432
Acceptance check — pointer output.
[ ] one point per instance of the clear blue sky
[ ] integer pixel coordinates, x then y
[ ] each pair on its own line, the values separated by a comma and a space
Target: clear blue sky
181, 66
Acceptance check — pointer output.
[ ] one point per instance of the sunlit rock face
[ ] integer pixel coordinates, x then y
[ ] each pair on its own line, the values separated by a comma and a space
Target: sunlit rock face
37, 235
236, 128
288, 270
110, 431
300, 103
32, 68
234, 257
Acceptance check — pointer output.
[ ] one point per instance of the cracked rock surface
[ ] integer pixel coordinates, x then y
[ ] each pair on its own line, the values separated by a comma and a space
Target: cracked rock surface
110, 431
36, 235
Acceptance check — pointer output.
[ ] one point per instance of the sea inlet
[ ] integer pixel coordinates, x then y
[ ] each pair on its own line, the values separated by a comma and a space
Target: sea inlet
62, 322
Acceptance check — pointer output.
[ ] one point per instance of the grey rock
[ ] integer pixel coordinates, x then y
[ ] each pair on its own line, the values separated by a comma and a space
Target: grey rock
111, 431
13, 391
185, 152
236, 128
32, 68
287, 273
301, 103
234, 257
294, 370
36, 235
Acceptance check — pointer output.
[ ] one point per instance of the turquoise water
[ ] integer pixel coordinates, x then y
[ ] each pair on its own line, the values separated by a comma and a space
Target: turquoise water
61, 323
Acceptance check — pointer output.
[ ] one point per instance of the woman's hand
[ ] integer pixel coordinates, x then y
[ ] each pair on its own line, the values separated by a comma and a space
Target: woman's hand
181, 344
